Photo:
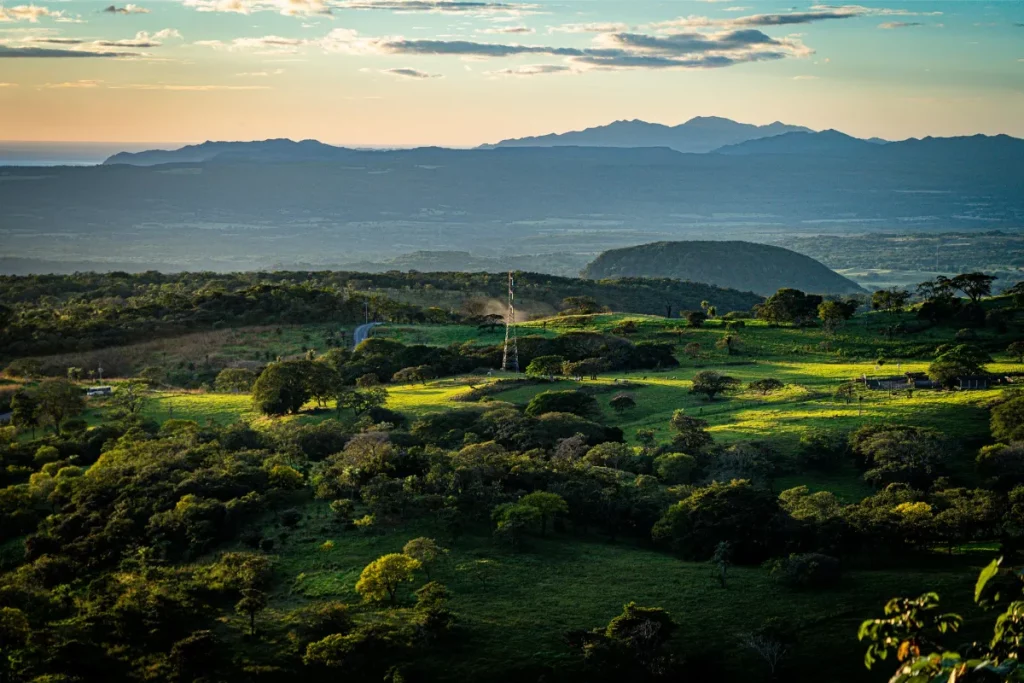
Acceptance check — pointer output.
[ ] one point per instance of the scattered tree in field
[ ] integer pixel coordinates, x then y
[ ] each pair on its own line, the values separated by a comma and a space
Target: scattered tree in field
622, 402
426, 551
772, 642
381, 578
911, 455
975, 286
631, 647
252, 603
545, 366
692, 350
675, 468
892, 300
235, 380
695, 319
58, 400
957, 361
730, 343
847, 391
691, 433
834, 313
580, 305
588, 367
1016, 349
549, 505
789, 306
513, 519
360, 401
281, 388
711, 383
368, 381
766, 386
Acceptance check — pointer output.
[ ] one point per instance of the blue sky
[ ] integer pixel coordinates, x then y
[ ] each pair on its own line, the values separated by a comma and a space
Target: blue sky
464, 72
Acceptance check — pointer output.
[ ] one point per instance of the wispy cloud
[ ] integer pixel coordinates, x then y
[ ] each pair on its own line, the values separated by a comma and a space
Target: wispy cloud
261, 74
436, 6
127, 9
186, 88
290, 8
816, 13
531, 70
262, 45
506, 30
805, 78
410, 73
593, 27
29, 13
8, 85
8, 52
72, 85
142, 39
889, 25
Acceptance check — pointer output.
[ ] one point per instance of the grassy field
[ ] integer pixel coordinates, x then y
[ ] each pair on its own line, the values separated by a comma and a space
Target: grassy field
516, 608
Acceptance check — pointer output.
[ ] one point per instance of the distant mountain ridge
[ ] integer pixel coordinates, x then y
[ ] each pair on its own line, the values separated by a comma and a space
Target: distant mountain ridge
699, 135
746, 266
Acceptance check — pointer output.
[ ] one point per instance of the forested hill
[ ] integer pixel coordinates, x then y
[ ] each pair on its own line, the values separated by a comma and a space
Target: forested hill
739, 265
101, 310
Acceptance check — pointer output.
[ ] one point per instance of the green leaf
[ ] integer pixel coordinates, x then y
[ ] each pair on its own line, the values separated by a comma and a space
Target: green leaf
986, 575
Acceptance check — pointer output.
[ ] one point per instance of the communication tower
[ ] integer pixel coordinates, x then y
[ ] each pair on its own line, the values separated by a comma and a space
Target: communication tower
510, 359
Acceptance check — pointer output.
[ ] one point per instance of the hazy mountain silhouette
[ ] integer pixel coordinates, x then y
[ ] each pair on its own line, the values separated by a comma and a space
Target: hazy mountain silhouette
698, 135
825, 143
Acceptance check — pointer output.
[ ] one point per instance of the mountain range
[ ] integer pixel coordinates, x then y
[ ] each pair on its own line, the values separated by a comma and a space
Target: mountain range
697, 136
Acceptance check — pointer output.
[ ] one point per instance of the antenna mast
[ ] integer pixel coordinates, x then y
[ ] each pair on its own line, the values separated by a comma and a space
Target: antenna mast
510, 359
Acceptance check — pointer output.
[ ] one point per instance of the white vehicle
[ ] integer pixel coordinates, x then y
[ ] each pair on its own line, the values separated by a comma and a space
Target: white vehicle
99, 391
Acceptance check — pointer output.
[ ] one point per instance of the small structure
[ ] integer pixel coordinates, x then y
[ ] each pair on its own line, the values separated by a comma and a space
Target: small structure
93, 392
973, 382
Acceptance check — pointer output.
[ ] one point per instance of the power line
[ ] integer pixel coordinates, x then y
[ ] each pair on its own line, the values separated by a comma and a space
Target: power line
510, 358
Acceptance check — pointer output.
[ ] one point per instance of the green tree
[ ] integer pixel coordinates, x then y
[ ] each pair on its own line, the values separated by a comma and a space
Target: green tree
426, 551
57, 400
1007, 420
711, 383
766, 386
574, 402
25, 412
695, 319
1016, 349
381, 578
512, 520
892, 300
974, 286
580, 305
281, 388
252, 603
789, 306
691, 433
361, 400
834, 313
957, 361
549, 505
622, 402
235, 380
730, 343
545, 366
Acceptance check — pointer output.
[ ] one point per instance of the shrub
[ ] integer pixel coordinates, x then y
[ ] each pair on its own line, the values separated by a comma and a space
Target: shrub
574, 402
807, 570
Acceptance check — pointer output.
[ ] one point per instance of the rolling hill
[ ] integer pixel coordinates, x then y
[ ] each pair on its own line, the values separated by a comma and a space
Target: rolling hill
745, 266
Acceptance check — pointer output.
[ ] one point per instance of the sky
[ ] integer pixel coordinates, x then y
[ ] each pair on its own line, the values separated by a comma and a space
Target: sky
467, 72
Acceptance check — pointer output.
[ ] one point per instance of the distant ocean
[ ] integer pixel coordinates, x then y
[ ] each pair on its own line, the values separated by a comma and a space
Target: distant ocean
69, 153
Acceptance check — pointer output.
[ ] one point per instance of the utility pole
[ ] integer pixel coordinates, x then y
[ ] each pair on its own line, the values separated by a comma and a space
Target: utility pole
510, 357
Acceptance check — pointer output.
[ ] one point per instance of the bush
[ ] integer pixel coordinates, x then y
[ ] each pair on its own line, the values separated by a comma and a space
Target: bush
291, 517
809, 570
823, 450
574, 402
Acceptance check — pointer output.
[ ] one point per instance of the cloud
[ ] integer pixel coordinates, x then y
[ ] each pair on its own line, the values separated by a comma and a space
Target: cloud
261, 74
791, 18
8, 85
532, 70
187, 88
409, 73
436, 6
29, 13
805, 78
816, 13
8, 52
262, 45
127, 9
689, 50
290, 8
73, 84
507, 29
899, 24
58, 41
594, 27
142, 39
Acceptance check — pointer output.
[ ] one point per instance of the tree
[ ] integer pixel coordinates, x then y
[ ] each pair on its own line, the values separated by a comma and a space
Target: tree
711, 383
834, 313
974, 286
766, 386
721, 561
574, 402
235, 380
57, 400
695, 319
912, 455
632, 646
25, 412
361, 400
957, 361
730, 343
675, 468
622, 402
738, 512
1016, 349
789, 306
692, 350
513, 519
381, 578
252, 603
545, 366
281, 388
580, 305
1007, 420
691, 433
847, 391
892, 300
549, 505
129, 398
426, 551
